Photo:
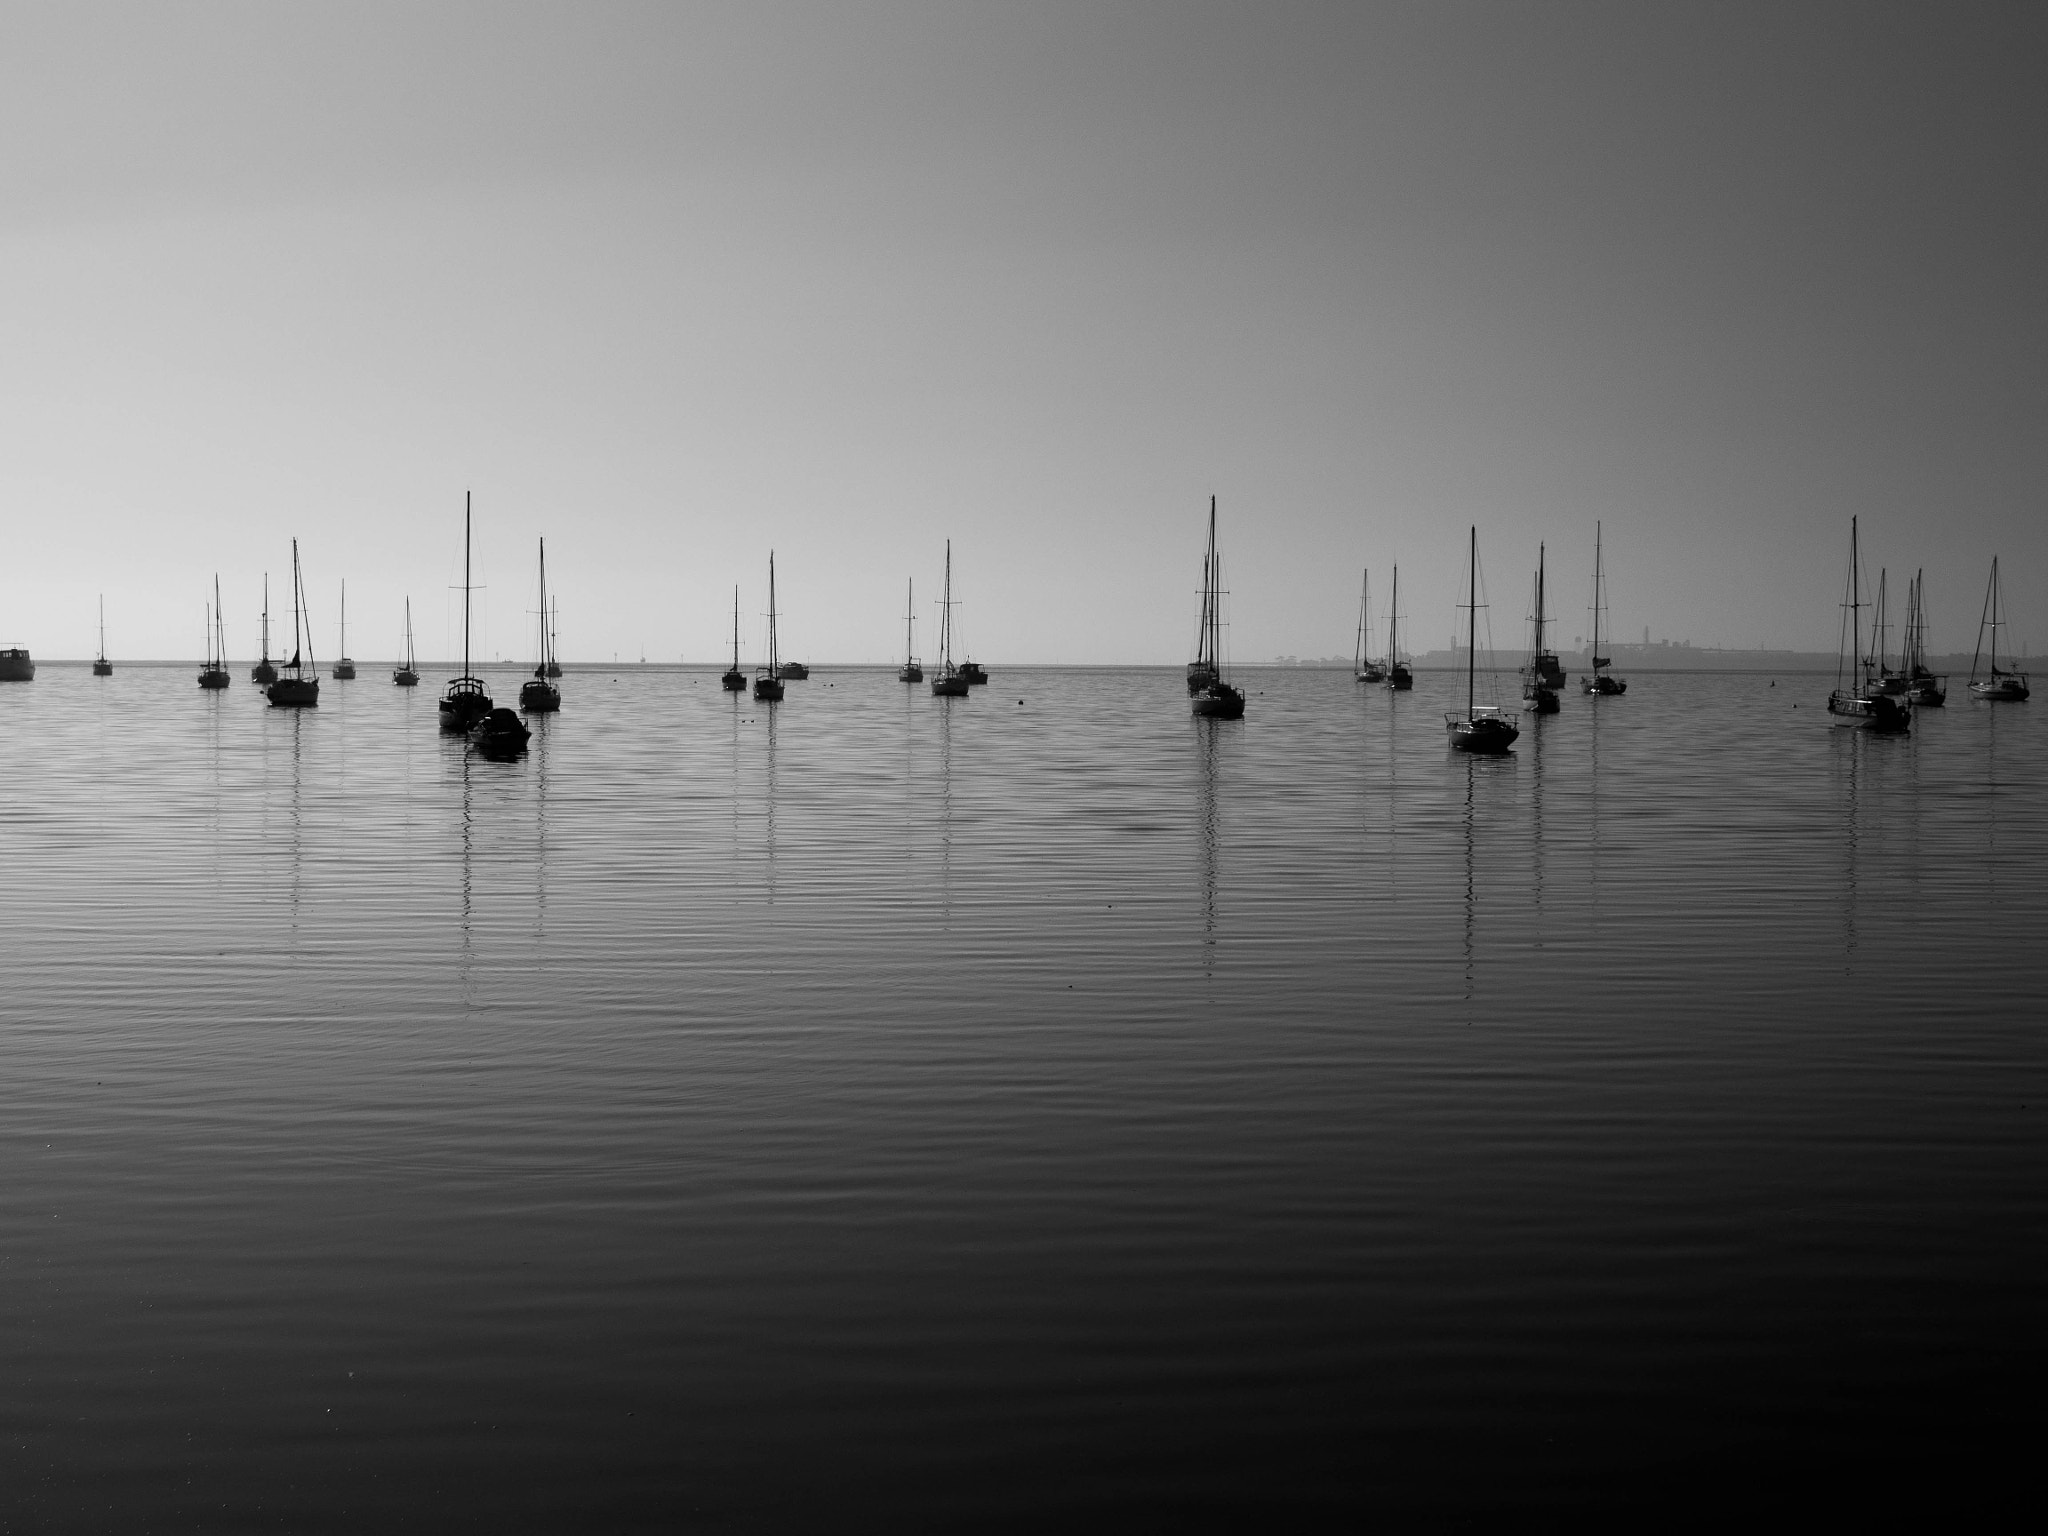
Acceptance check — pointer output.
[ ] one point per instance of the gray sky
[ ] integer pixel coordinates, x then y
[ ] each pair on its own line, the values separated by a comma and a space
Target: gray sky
673, 284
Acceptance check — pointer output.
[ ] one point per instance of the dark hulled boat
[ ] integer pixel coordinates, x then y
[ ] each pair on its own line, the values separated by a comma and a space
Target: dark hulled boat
734, 680
407, 673
215, 673
264, 673
537, 695
466, 701
1482, 727
1859, 697
950, 682
910, 671
1600, 684
102, 667
298, 682
344, 669
1399, 678
1543, 676
768, 680
1364, 668
1215, 699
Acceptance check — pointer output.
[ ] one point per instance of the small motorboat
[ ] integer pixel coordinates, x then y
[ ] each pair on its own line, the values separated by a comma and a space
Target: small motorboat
501, 734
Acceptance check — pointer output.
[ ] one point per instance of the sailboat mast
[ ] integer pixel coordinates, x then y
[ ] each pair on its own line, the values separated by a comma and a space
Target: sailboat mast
220, 640
946, 615
1539, 596
344, 616
545, 658
1215, 596
408, 634
1472, 628
1364, 613
266, 615
909, 620
774, 660
735, 628
465, 583
1394, 621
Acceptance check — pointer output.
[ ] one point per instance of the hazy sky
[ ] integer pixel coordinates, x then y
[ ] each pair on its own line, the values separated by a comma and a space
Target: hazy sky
673, 284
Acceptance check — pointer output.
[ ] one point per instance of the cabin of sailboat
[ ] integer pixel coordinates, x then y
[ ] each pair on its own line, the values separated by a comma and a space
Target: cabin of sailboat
102, 667
1999, 685
950, 682
1482, 727
1600, 684
1544, 675
1859, 697
298, 682
466, 701
1364, 668
345, 668
537, 695
768, 679
910, 671
1215, 699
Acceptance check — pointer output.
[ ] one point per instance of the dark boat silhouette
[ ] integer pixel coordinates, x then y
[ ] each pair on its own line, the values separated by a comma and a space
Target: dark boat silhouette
298, 682
344, 669
768, 682
537, 695
1859, 697
734, 680
407, 673
1998, 687
102, 667
1600, 685
1482, 727
910, 671
1544, 675
1213, 699
1364, 668
1399, 678
215, 673
264, 673
949, 682
465, 701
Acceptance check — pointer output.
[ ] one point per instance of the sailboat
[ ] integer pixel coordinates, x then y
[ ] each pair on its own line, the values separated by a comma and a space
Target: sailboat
910, 671
298, 683
537, 695
2000, 686
1544, 675
344, 669
1482, 727
407, 673
951, 683
1363, 667
263, 672
1925, 689
734, 680
1859, 698
1399, 678
215, 672
465, 702
1215, 699
1600, 684
768, 679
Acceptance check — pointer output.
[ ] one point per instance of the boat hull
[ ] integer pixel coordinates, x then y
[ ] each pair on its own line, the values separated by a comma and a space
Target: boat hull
539, 698
345, 671
794, 672
405, 677
103, 668
294, 692
499, 734
1886, 713
214, 677
971, 670
949, 686
768, 690
910, 672
263, 674
1400, 679
1371, 674
1603, 687
734, 682
16, 666
1484, 734
1219, 701
1539, 699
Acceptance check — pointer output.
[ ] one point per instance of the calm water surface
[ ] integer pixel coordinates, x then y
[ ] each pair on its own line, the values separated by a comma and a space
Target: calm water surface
880, 1110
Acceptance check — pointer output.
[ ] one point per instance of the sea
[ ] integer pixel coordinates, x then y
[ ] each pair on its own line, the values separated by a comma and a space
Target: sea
1020, 1112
